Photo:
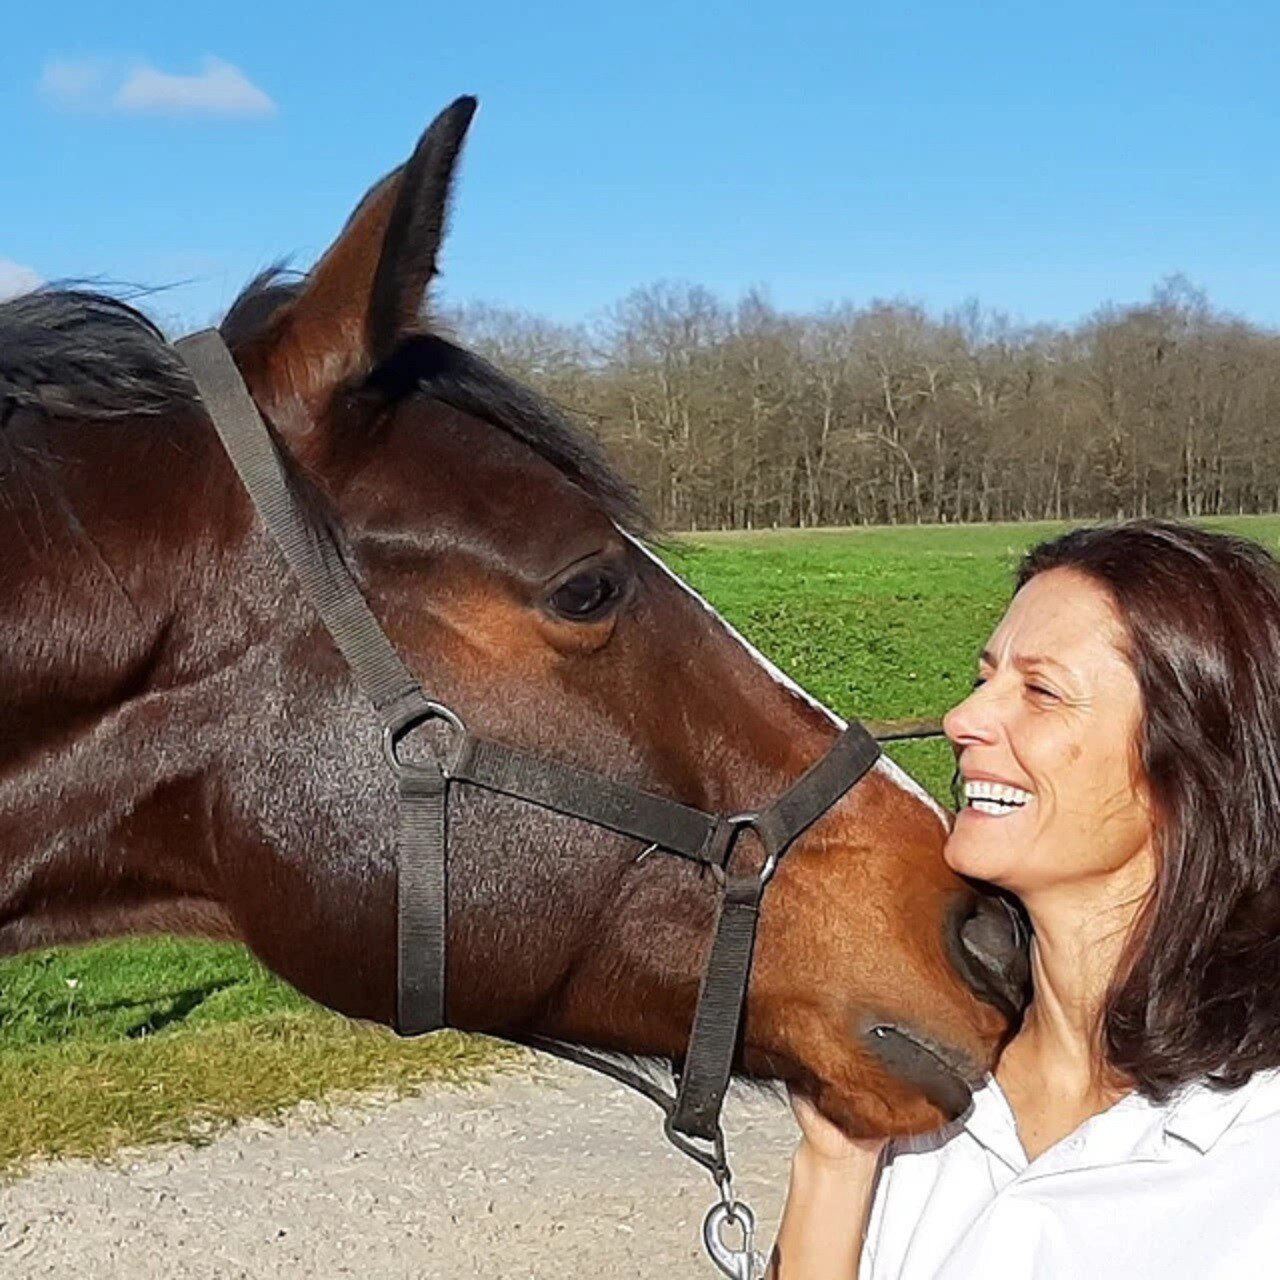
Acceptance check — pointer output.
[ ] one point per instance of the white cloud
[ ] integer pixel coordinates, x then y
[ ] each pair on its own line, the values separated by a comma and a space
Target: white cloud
16, 279
73, 82
220, 89
97, 84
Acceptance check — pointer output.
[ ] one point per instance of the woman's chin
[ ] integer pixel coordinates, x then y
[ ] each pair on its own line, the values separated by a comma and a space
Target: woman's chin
974, 849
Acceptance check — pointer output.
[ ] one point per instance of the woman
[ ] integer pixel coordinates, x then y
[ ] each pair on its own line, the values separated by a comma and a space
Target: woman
1120, 764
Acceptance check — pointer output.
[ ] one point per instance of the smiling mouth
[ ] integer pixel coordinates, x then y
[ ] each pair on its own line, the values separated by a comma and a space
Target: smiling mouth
945, 1077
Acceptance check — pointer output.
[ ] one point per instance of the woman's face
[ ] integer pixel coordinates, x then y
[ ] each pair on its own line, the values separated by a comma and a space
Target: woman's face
1046, 747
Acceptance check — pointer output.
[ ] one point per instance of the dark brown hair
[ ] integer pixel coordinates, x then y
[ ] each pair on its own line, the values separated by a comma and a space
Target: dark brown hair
1198, 992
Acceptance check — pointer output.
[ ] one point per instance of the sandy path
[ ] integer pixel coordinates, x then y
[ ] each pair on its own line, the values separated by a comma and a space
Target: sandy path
559, 1175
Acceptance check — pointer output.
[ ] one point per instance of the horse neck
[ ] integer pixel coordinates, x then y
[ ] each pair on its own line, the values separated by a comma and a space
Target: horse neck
125, 642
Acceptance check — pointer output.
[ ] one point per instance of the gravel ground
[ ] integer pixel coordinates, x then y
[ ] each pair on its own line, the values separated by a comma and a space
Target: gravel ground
554, 1175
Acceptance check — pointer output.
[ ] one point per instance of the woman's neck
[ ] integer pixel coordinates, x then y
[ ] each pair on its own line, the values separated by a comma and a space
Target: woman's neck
1080, 936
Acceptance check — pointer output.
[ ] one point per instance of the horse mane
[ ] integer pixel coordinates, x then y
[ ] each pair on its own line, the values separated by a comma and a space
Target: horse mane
69, 352
75, 353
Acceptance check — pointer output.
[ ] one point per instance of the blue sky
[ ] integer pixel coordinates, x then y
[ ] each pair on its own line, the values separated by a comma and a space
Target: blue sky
1043, 158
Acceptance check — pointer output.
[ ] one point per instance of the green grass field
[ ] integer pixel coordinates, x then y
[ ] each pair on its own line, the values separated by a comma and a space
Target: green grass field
139, 1040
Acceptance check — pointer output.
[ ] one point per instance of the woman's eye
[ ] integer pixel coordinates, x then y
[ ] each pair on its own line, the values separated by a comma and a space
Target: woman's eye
978, 682
585, 596
1041, 692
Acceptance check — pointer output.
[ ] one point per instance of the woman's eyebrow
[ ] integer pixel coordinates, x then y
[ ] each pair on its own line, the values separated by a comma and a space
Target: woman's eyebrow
1025, 661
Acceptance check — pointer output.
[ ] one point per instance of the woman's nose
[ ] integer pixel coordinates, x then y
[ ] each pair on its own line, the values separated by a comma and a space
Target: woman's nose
972, 720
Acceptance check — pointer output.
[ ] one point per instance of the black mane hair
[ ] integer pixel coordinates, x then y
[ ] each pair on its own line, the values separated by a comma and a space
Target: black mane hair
70, 352
79, 354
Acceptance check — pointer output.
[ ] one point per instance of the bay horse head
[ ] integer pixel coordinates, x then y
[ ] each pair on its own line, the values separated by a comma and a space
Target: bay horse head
183, 748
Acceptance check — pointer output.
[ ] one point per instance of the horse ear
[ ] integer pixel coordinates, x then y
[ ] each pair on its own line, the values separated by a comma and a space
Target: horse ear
366, 293
416, 228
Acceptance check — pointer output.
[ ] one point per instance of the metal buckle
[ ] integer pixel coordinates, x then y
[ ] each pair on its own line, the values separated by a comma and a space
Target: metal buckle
401, 722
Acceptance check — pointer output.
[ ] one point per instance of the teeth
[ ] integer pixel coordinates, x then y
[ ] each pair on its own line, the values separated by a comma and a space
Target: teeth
991, 807
995, 798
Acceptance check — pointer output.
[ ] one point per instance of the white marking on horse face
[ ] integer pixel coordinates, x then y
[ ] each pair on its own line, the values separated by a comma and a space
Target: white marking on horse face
900, 777
890, 769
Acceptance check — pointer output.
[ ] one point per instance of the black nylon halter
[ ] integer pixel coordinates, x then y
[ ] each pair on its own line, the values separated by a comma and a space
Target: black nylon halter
693, 1113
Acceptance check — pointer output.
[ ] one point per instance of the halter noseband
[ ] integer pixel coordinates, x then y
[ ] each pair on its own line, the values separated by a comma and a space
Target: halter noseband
423, 787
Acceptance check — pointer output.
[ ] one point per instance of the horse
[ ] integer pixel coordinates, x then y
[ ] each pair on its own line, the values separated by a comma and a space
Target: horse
182, 748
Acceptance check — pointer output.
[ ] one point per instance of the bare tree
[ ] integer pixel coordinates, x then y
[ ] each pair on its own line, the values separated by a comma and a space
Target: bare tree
741, 415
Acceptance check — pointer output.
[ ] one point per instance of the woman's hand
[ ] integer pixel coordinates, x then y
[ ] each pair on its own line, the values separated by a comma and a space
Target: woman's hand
832, 1182
825, 1142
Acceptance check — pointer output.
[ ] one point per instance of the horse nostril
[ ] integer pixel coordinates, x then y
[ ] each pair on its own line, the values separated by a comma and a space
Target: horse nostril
989, 947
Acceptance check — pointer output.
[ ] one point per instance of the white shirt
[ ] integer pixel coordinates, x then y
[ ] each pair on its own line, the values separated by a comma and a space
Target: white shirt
1185, 1191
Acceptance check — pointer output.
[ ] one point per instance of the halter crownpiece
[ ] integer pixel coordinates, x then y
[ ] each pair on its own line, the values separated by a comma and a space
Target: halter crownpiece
424, 787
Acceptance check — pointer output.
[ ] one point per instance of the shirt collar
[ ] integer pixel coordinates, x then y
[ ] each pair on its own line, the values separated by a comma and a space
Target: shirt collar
1200, 1114
990, 1122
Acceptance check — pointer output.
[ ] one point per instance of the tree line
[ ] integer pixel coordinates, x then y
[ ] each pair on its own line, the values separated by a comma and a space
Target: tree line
740, 415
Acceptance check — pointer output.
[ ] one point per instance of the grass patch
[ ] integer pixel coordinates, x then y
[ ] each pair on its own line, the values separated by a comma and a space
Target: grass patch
143, 1040
156, 1039
88, 1098
879, 623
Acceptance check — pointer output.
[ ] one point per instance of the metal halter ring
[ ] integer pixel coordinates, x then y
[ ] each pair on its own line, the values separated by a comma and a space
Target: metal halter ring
419, 712
734, 825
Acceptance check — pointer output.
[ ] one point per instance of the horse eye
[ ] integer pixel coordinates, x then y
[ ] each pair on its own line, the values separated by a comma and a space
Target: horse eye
585, 596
